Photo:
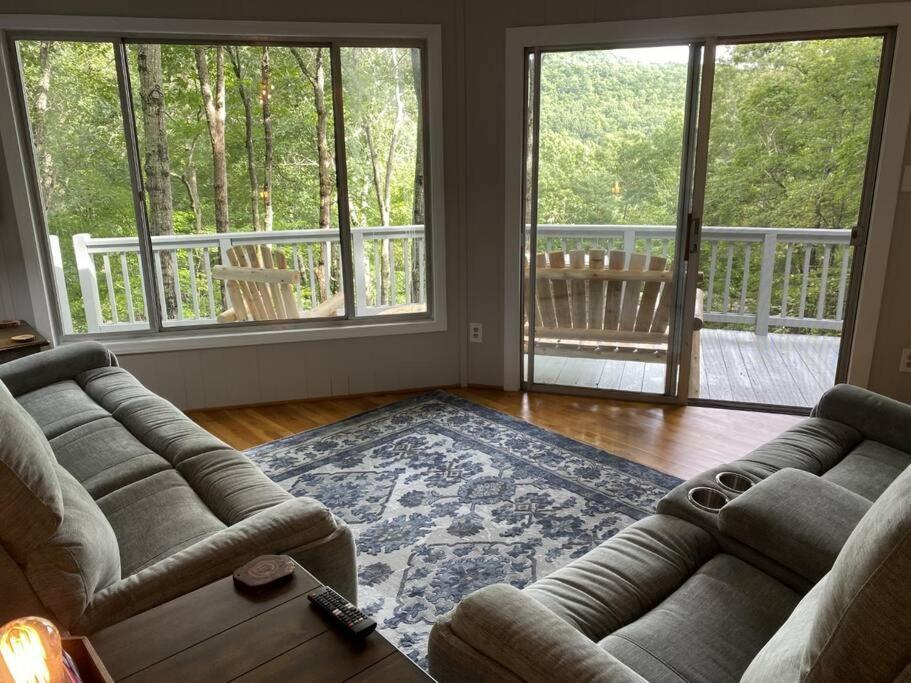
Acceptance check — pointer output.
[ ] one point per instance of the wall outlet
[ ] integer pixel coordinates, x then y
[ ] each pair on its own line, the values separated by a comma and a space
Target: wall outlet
475, 332
905, 365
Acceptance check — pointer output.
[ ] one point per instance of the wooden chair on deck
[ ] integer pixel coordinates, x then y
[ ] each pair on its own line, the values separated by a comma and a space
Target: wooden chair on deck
619, 310
261, 287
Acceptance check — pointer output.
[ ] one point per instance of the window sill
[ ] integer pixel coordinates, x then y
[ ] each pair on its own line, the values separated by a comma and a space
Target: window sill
203, 339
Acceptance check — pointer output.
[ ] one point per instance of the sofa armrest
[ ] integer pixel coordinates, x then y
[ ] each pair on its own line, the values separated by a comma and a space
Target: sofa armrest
531, 642
278, 530
877, 417
796, 519
61, 363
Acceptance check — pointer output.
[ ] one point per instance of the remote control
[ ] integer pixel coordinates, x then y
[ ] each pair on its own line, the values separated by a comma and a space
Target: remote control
342, 612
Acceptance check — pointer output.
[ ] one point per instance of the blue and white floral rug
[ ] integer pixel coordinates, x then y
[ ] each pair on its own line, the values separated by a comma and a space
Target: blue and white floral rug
446, 496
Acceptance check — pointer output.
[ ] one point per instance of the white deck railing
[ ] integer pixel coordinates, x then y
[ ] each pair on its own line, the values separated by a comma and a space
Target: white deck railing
113, 294
786, 261
802, 273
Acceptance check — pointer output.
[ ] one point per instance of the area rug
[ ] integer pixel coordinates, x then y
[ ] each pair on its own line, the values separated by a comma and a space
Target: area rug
445, 496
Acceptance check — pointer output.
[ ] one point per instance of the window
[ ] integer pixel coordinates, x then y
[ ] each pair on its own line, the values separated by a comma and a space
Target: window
278, 182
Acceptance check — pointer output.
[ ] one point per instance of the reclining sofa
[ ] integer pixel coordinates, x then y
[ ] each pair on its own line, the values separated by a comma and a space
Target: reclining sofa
791, 564
112, 501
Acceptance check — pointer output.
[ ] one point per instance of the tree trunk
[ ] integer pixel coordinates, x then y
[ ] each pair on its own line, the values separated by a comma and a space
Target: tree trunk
214, 104
418, 207
157, 164
234, 55
188, 178
417, 214
382, 177
265, 98
46, 176
317, 79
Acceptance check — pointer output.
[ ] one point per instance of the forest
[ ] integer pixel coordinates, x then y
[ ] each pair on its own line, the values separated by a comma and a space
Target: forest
242, 138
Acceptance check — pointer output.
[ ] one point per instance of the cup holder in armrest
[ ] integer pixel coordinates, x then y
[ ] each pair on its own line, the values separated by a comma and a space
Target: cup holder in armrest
707, 498
736, 483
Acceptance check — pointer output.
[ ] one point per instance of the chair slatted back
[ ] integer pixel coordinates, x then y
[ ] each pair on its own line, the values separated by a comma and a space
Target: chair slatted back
259, 284
629, 300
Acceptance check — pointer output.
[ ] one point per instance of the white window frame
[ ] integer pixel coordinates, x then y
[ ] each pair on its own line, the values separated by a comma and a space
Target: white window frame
15, 136
695, 28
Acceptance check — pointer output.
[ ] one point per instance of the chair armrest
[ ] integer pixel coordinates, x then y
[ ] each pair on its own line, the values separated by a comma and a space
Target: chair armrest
61, 363
795, 518
519, 633
877, 417
278, 530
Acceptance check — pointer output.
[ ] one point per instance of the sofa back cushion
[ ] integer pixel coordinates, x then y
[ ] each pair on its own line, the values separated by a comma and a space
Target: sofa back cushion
856, 623
31, 507
80, 559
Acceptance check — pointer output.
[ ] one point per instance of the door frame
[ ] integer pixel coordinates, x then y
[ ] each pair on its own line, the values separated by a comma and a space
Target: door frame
696, 29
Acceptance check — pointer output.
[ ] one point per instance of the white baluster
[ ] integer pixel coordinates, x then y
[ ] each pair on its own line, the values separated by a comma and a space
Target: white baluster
746, 278
808, 250
710, 296
786, 281
210, 287
823, 283
726, 294
194, 285
109, 280
127, 286
843, 282
88, 282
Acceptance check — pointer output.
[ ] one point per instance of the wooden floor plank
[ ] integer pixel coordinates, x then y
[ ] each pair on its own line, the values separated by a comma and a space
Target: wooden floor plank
678, 440
716, 384
737, 371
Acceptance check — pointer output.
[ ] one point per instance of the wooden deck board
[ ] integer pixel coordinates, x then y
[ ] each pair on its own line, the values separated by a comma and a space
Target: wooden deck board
779, 369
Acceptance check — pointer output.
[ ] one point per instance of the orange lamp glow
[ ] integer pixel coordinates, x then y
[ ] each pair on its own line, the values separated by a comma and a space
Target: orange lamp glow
30, 652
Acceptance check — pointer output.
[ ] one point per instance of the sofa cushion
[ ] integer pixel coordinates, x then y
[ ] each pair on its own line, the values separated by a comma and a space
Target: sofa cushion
31, 506
869, 469
103, 456
855, 625
155, 517
231, 485
60, 407
709, 629
160, 426
814, 445
80, 559
625, 576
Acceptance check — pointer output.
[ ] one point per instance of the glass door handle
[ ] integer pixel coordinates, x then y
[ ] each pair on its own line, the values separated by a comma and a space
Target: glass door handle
693, 230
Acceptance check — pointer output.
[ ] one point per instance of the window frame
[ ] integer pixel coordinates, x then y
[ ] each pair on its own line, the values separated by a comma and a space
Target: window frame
121, 32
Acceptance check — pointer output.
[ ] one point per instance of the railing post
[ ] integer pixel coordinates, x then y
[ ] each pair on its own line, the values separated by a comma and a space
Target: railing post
766, 276
88, 283
360, 280
63, 302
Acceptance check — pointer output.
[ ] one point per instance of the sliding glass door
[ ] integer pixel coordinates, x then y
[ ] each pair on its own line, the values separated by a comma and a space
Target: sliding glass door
607, 156
695, 215
792, 126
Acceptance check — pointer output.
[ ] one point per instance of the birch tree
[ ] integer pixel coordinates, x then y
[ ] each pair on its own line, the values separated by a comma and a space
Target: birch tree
214, 106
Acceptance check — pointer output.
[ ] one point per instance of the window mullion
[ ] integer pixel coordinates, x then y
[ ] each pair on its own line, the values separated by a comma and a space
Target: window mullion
146, 256
341, 180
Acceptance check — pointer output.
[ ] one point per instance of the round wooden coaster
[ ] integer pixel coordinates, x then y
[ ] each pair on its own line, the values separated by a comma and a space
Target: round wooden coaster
9, 323
22, 338
264, 570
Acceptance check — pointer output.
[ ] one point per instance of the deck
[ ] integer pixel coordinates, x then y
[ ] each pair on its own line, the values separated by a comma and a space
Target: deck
781, 369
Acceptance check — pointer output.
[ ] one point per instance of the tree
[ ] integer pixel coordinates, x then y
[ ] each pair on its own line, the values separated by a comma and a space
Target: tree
214, 105
191, 184
157, 164
317, 80
46, 173
266, 100
235, 57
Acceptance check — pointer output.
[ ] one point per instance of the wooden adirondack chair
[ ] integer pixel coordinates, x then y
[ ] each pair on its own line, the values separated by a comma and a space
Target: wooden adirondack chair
619, 310
261, 287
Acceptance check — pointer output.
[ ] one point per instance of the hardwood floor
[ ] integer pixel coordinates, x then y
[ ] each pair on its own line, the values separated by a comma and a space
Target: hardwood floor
678, 440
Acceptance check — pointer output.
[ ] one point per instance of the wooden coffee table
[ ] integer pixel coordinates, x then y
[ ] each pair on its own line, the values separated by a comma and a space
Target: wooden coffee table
217, 633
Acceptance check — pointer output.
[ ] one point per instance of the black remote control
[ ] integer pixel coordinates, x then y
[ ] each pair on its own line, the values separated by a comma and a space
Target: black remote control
342, 612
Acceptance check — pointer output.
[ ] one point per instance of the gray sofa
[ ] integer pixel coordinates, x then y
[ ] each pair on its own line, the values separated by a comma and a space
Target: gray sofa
801, 577
113, 501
